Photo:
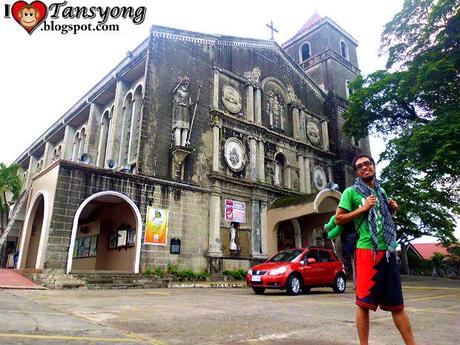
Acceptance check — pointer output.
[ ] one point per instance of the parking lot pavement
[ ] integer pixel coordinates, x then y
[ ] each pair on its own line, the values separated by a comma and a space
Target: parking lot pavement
220, 316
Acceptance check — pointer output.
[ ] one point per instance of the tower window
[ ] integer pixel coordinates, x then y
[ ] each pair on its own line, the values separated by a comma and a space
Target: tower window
305, 52
348, 89
344, 49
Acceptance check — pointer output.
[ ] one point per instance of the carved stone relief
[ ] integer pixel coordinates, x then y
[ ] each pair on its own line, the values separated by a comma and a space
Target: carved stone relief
313, 133
275, 108
319, 178
231, 99
253, 76
234, 153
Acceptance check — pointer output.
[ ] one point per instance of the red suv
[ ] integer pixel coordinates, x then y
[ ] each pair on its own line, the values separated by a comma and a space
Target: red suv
299, 269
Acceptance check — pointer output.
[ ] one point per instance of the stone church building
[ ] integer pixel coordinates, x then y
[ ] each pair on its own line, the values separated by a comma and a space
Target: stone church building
233, 143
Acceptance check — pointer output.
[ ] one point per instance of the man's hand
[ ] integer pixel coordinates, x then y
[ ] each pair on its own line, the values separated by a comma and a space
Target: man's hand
369, 203
393, 204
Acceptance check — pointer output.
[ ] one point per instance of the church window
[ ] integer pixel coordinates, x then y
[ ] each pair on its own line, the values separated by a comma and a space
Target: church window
39, 166
75, 146
348, 89
81, 147
57, 152
275, 109
104, 137
279, 177
344, 50
126, 129
305, 51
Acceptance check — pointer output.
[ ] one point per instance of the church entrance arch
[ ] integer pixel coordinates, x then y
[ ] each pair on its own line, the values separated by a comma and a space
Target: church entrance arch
106, 234
288, 234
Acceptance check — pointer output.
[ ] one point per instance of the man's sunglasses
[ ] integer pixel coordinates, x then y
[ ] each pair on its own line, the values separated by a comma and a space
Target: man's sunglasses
363, 165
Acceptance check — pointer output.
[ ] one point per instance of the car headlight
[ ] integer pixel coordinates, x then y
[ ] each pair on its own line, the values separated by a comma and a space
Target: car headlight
278, 271
250, 272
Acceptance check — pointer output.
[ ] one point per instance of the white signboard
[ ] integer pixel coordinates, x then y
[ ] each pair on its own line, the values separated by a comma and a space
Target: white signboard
235, 211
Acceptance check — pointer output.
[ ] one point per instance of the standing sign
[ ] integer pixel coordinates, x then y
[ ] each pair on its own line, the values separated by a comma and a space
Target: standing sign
156, 227
235, 211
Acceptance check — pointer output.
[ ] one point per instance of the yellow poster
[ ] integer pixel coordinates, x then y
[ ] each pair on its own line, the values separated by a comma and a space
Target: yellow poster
156, 227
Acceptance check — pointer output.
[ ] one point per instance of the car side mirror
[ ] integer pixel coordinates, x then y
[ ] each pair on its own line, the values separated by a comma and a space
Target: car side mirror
311, 261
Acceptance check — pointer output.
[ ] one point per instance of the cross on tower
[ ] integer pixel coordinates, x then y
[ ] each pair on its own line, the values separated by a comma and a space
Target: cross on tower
272, 28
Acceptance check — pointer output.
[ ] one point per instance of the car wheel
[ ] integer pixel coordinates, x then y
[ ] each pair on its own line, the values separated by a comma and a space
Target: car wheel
293, 285
340, 284
258, 290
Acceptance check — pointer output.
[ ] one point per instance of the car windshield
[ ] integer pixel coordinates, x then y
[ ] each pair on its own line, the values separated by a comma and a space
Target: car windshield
286, 255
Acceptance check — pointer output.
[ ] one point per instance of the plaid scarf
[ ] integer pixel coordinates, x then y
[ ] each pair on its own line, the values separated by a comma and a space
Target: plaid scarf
389, 232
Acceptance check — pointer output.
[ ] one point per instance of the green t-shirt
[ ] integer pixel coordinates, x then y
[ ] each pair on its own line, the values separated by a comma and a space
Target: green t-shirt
352, 200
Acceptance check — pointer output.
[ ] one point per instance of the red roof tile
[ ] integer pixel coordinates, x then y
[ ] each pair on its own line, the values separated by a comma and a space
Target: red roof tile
427, 250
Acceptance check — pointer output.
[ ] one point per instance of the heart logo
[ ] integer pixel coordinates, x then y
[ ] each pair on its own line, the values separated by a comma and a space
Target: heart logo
29, 16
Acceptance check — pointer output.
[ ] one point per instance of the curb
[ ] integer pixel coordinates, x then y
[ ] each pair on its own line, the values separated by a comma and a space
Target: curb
207, 285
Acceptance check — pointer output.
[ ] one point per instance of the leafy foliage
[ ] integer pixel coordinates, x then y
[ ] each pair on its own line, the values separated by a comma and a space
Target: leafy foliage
10, 182
415, 104
236, 274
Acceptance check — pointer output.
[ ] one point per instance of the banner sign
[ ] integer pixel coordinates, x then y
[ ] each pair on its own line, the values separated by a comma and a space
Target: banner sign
235, 211
156, 227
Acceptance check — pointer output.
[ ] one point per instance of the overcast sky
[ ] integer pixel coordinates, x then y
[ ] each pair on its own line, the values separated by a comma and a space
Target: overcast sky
45, 73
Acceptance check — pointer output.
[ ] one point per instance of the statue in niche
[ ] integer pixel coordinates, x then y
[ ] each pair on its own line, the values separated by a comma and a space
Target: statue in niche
253, 76
275, 108
313, 133
181, 112
233, 237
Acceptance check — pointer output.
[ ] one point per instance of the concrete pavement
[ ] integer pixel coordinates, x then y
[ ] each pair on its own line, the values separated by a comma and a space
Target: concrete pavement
220, 316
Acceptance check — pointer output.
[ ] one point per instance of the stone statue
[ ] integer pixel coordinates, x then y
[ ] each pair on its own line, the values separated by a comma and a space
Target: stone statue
233, 245
181, 112
253, 76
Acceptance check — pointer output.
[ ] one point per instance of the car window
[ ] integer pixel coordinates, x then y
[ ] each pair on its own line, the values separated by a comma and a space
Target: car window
286, 255
324, 256
312, 254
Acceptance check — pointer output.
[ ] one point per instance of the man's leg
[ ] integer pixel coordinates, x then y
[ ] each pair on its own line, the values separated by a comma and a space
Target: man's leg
362, 323
402, 323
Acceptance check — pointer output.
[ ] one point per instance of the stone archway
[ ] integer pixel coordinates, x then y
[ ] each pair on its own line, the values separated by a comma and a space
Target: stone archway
35, 227
106, 234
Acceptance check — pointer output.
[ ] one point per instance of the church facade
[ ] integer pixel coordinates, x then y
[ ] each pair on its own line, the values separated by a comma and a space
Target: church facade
204, 151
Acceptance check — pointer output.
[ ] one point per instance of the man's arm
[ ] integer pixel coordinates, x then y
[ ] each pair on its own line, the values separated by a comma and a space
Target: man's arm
342, 216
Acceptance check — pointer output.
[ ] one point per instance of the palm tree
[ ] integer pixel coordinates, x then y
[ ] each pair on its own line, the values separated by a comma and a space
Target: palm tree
10, 182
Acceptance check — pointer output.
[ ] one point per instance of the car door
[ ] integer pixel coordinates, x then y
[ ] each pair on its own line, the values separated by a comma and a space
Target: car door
326, 267
310, 272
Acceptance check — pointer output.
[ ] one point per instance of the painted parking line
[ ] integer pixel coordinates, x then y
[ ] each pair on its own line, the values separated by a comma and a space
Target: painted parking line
131, 338
430, 297
431, 310
409, 287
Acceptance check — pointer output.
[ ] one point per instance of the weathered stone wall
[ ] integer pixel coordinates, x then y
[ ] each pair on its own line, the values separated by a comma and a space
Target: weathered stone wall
188, 214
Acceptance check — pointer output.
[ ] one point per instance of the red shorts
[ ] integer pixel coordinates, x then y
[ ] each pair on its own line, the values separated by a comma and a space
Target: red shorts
377, 281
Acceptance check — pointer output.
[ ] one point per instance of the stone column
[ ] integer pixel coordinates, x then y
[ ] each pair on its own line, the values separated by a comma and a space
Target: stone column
215, 145
287, 174
256, 238
301, 174
258, 106
330, 173
325, 134
117, 122
263, 228
67, 145
261, 162
250, 102
252, 159
215, 95
214, 248
296, 123
303, 128
48, 154
93, 131
307, 176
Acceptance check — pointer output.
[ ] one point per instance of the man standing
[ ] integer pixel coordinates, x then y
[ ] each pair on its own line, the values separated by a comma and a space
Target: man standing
377, 277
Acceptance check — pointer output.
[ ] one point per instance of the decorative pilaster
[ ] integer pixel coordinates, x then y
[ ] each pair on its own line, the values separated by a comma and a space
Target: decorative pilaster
296, 122
330, 174
250, 102
113, 149
256, 233
215, 95
325, 134
215, 143
303, 130
30, 170
301, 174
69, 134
214, 249
93, 131
263, 228
258, 106
253, 159
261, 162
307, 176
48, 154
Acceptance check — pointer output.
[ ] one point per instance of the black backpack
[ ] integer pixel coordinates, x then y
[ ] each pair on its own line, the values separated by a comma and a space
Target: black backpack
350, 236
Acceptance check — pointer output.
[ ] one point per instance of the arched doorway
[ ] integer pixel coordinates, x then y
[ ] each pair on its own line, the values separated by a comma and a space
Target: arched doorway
106, 234
35, 231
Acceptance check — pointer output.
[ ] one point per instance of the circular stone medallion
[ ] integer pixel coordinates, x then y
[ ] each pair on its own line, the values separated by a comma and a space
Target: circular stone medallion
313, 133
231, 99
234, 154
319, 178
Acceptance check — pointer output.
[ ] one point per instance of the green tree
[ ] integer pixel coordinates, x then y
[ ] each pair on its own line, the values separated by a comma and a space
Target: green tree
10, 182
415, 103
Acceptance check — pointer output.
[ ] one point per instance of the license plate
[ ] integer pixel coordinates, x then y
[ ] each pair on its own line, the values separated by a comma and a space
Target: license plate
256, 279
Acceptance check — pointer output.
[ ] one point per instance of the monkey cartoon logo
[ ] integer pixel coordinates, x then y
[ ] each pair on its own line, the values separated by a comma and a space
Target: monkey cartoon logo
29, 16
